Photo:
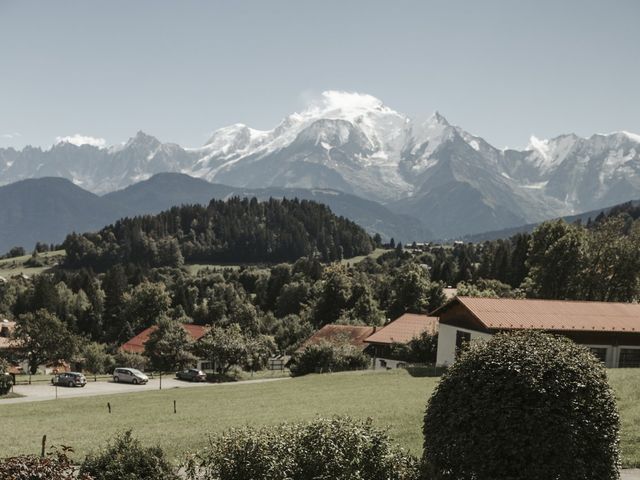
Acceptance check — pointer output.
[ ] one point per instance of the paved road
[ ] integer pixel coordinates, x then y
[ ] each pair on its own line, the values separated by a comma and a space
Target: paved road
45, 391
633, 474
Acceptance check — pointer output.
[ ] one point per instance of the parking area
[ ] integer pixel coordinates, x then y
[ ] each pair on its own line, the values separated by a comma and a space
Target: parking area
44, 391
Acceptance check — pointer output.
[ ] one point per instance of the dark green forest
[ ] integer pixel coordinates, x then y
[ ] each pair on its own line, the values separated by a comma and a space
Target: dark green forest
232, 231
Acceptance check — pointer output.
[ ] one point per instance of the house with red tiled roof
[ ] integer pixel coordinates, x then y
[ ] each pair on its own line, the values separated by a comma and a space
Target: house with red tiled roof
610, 330
352, 334
400, 331
136, 344
196, 332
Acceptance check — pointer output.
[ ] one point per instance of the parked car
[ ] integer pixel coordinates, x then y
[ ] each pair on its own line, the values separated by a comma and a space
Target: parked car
192, 375
69, 379
129, 375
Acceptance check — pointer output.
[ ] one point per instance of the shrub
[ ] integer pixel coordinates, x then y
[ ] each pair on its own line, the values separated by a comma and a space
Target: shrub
5, 383
55, 466
5, 379
126, 459
96, 358
324, 449
523, 406
328, 357
421, 349
131, 360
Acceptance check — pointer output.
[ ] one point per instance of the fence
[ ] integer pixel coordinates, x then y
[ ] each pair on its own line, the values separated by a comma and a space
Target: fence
41, 378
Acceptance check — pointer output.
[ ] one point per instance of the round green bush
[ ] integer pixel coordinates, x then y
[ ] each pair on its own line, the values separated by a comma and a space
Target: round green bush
125, 458
324, 449
523, 406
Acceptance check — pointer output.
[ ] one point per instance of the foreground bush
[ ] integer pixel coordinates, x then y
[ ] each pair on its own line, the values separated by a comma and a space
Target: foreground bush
126, 459
523, 406
335, 449
325, 357
55, 466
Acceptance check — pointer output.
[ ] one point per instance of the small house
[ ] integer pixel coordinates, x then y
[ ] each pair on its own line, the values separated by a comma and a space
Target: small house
196, 332
278, 362
400, 331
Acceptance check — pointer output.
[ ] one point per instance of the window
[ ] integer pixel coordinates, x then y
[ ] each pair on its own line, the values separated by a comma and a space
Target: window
629, 358
462, 340
600, 353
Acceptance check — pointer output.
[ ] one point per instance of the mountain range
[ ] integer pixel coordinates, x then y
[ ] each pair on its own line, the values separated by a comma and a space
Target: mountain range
47, 209
449, 181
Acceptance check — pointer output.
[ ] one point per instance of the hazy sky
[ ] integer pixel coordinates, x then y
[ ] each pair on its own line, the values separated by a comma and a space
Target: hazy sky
179, 69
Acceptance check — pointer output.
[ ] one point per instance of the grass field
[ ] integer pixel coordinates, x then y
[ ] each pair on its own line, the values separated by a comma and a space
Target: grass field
194, 268
375, 254
393, 399
16, 266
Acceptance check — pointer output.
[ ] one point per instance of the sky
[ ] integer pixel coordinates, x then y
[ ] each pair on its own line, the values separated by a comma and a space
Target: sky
501, 69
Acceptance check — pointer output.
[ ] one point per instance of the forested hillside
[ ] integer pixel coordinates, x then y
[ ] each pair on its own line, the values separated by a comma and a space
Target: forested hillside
232, 231
598, 261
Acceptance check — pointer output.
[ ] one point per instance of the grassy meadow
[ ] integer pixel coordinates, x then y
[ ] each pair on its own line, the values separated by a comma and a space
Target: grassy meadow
10, 267
393, 399
16, 266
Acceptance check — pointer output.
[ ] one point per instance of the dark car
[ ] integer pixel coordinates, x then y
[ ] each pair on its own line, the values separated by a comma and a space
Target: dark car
69, 379
192, 375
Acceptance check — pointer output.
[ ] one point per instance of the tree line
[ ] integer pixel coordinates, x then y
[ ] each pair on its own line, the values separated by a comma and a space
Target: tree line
70, 313
238, 230
288, 301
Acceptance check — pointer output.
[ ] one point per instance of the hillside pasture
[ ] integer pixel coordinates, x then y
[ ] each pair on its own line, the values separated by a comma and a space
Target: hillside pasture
10, 267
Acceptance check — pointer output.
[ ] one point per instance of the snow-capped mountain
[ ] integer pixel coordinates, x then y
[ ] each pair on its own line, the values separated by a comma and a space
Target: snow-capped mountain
453, 181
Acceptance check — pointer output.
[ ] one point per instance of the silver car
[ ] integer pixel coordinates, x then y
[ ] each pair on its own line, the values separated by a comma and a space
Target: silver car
129, 375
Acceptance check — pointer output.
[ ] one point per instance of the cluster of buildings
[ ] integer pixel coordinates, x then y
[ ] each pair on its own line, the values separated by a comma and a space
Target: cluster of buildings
610, 330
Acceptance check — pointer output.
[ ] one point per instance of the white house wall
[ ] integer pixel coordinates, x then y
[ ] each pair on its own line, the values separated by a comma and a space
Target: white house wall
447, 342
447, 346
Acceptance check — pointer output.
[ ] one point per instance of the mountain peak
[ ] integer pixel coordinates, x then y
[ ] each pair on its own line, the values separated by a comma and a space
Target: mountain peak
143, 139
345, 106
438, 118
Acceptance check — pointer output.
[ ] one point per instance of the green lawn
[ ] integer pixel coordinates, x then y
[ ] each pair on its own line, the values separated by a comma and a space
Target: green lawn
626, 383
393, 399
